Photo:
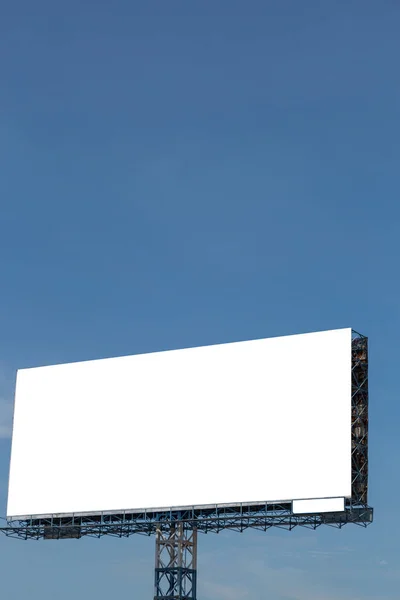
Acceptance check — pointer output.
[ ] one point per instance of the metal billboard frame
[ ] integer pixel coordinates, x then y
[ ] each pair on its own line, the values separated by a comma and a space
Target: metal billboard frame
176, 529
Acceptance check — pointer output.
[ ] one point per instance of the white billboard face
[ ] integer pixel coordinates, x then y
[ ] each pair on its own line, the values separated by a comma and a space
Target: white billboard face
265, 420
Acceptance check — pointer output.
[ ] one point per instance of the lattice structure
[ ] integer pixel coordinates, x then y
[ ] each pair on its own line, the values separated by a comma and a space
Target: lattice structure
359, 418
205, 520
175, 567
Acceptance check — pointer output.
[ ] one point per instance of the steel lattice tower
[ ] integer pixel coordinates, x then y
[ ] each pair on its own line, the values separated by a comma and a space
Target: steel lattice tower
175, 565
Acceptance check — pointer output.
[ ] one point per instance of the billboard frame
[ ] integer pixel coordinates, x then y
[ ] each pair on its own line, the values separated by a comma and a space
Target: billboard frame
235, 517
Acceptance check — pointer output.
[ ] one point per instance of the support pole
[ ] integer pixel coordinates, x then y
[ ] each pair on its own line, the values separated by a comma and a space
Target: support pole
176, 563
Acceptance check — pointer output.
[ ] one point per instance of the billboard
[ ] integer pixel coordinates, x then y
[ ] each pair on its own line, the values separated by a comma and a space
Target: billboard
265, 420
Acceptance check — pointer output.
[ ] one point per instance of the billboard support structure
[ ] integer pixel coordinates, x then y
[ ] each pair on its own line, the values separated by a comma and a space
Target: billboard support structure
175, 529
175, 565
359, 419
205, 520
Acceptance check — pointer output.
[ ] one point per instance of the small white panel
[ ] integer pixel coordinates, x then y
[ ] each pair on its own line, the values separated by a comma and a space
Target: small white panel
256, 421
319, 505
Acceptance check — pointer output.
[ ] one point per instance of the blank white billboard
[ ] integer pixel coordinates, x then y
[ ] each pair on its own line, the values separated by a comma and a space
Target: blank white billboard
255, 421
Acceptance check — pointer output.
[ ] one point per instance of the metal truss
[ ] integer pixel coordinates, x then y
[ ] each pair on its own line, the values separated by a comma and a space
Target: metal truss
359, 419
205, 520
175, 567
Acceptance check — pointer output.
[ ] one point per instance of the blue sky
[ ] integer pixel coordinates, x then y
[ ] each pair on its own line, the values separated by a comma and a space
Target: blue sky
183, 173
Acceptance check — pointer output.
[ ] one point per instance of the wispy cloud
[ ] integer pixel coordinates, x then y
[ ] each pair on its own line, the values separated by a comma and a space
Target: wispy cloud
220, 591
300, 566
